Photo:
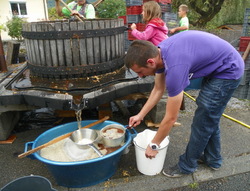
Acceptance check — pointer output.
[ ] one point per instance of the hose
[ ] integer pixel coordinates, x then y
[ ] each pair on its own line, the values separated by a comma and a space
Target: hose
224, 115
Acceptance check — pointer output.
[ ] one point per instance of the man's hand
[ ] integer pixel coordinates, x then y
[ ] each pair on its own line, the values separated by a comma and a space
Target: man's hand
135, 120
150, 153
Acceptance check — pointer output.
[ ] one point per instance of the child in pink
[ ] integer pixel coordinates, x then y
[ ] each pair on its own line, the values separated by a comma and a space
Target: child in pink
156, 29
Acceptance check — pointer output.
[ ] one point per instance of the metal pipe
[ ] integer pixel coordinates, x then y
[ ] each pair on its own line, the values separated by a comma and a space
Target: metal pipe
224, 115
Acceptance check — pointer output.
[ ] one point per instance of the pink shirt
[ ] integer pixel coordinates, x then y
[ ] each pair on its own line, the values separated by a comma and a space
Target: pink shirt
155, 32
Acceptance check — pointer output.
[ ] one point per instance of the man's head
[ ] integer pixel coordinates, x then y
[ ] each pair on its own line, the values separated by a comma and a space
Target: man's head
183, 10
141, 57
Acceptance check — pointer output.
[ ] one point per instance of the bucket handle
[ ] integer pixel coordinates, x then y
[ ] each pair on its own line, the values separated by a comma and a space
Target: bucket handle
134, 132
29, 145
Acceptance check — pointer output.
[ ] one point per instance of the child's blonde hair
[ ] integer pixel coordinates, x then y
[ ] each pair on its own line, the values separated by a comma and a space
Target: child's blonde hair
183, 7
151, 10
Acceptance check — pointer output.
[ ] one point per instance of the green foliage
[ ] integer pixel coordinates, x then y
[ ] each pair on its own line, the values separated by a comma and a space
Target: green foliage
2, 27
194, 185
231, 12
15, 27
111, 9
53, 14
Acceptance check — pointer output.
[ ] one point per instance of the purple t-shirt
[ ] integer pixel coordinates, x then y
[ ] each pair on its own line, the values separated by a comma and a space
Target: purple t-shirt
194, 54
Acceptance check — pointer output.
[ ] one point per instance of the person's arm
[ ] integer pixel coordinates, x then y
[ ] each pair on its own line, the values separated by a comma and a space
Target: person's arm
172, 110
184, 25
155, 96
176, 29
145, 35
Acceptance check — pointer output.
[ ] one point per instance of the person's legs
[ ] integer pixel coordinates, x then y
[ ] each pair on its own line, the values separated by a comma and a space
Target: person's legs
205, 131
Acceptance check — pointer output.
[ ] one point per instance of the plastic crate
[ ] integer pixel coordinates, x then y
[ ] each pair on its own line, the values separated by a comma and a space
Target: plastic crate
134, 10
124, 18
133, 18
127, 43
246, 17
133, 2
244, 40
130, 36
165, 7
166, 17
241, 92
248, 95
139, 26
160, 1
246, 31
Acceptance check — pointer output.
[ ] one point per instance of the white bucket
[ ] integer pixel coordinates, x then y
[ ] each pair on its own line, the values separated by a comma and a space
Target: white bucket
145, 165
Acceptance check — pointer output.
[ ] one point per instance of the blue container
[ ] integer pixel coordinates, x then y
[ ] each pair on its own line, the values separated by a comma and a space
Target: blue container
79, 173
195, 84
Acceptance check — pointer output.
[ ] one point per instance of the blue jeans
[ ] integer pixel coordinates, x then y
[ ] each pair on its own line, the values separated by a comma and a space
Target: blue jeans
205, 130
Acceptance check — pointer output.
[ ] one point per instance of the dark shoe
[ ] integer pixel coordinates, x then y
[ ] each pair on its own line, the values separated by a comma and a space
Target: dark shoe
201, 160
173, 172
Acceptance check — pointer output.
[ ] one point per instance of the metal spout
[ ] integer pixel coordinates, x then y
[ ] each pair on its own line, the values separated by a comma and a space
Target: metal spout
79, 103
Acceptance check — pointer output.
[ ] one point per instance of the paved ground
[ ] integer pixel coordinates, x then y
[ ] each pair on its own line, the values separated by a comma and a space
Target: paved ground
235, 150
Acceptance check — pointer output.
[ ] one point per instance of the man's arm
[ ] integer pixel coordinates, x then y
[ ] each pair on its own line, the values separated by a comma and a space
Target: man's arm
155, 96
172, 110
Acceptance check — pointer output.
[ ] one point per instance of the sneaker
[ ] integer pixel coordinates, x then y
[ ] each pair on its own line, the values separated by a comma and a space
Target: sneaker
173, 172
201, 160
213, 168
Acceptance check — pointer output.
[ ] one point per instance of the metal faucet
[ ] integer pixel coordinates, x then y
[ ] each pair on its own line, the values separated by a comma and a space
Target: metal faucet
79, 103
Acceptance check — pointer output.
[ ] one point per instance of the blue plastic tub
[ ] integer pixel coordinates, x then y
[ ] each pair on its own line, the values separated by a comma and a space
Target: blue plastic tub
80, 173
195, 84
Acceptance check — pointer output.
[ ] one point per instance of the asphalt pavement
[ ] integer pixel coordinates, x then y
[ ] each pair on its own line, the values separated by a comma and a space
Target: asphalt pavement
235, 151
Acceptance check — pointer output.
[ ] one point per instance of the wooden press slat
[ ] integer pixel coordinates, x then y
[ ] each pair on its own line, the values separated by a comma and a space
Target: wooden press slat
75, 47
67, 47
35, 46
48, 56
90, 48
96, 44
102, 43
60, 46
112, 41
41, 46
108, 41
53, 48
83, 46
27, 42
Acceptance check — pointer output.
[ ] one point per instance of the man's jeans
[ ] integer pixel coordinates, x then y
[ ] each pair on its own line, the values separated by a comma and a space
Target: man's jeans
205, 130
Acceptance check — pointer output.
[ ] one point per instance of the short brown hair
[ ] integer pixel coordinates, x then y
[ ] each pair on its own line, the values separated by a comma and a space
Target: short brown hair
183, 7
139, 52
151, 10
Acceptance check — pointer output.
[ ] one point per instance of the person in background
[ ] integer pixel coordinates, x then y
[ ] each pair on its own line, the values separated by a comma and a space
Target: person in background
156, 30
178, 59
79, 8
184, 22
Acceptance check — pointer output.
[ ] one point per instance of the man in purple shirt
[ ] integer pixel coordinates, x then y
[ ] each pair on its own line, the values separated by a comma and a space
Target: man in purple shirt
177, 60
